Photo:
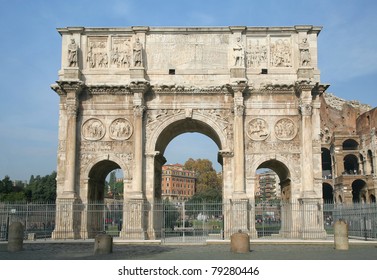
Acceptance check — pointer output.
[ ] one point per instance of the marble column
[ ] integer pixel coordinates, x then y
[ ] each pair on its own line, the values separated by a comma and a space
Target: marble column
239, 141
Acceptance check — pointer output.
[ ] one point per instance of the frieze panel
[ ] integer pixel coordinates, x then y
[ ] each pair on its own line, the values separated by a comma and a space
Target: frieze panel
106, 146
120, 56
97, 56
258, 129
258, 147
281, 52
93, 129
256, 53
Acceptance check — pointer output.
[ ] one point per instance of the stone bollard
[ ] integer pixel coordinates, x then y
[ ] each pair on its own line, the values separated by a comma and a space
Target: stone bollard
240, 242
103, 244
341, 235
15, 237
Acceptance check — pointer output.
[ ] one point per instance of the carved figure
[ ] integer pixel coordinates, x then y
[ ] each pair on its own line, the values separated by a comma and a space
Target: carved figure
93, 129
256, 55
72, 53
137, 52
281, 54
285, 129
120, 129
258, 129
304, 53
90, 58
238, 53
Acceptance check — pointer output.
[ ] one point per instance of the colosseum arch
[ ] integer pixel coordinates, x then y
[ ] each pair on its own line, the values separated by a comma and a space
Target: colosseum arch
122, 113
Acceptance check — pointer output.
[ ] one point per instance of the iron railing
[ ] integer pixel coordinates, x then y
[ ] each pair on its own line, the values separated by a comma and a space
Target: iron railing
189, 222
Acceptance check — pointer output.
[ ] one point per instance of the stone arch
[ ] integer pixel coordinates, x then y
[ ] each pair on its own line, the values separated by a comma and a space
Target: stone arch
372, 198
158, 142
351, 164
281, 167
350, 144
95, 173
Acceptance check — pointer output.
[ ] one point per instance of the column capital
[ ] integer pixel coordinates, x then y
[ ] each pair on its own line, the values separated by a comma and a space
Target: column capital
139, 87
306, 109
65, 87
315, 89
238, 87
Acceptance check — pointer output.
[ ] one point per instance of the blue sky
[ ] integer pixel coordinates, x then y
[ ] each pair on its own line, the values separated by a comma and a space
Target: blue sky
30, 59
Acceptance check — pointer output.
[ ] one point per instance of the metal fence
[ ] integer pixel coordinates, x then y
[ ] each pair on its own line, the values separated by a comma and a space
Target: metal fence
191, 222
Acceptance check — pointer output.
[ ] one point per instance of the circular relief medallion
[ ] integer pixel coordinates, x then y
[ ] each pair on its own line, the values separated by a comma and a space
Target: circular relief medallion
93, 129
258, 129
120, 129
285, 129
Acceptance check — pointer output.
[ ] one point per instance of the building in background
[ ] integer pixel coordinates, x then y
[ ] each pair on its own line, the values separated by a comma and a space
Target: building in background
177, 184
267, 187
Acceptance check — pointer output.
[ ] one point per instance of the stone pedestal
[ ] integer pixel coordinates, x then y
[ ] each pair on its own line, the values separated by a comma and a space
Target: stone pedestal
133, 220
311, 219
341, 235
238, 73
72, 73
305, 73
240, 242
15, 237
137, 73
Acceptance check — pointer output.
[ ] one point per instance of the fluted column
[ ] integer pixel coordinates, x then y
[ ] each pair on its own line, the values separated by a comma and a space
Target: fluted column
239, 142
73, 90
138, 106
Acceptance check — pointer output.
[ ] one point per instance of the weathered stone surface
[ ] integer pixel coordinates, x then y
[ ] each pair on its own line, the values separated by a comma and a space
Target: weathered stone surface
255, 91
15, 237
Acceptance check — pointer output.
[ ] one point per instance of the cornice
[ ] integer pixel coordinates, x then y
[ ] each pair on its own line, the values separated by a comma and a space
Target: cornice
181, 89
277, 89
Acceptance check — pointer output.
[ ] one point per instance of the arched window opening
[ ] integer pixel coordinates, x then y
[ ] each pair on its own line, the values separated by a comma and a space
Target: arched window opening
370, 160
326, 164
350, 144
359, 191
351, 165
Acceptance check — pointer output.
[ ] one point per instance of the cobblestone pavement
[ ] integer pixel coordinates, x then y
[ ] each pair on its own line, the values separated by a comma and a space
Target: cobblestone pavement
84, 251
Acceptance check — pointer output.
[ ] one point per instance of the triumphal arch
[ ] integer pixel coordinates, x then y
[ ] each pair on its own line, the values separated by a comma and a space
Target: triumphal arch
125, 93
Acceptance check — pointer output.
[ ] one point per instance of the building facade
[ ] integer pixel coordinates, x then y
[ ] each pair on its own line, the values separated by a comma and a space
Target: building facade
349, 149
177, 184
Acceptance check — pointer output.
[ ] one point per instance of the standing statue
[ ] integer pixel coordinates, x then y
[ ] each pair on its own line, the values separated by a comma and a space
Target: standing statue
137, 52
238, 53
72, 53
304, 53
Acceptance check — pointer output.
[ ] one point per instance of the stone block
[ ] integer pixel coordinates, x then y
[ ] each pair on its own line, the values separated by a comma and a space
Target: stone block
240, 242
341, 235
15, 237
103, 244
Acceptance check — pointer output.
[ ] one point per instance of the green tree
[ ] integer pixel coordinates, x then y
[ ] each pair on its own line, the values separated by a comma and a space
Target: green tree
208, 182
42, 188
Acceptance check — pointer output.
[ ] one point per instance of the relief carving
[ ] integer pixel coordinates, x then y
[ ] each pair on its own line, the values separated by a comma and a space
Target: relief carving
280, 53
121, 53
93, 129
106, 146
257, 147
121, 129
256, 55
258, 129
97, 53
285, 129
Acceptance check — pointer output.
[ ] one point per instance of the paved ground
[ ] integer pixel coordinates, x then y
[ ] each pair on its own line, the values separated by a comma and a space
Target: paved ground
39, 250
